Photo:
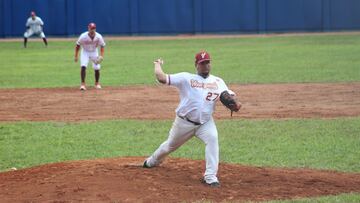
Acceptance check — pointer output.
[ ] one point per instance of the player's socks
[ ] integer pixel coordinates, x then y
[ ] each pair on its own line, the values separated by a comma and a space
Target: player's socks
25, 42
97, 76
83, 74
45, 41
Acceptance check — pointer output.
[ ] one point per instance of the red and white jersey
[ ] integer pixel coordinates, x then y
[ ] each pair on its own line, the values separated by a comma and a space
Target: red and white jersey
198, 95
88, 44
35, 25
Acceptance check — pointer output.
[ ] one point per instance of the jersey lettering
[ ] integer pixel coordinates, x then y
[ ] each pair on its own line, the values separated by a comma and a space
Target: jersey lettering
197, 84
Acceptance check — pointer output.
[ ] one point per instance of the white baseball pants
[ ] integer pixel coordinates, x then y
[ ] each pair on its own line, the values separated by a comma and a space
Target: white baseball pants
181, 132
31, 32
86, 56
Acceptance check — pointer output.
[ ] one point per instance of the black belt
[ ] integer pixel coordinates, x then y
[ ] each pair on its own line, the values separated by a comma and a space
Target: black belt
193, 122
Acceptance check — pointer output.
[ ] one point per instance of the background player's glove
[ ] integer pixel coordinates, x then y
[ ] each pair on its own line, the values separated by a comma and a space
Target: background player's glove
229, 101
98, 60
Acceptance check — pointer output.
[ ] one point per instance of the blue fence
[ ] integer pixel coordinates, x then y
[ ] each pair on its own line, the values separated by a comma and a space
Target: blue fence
138, 17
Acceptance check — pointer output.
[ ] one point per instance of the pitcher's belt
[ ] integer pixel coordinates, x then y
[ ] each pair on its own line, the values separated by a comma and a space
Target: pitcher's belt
193, 122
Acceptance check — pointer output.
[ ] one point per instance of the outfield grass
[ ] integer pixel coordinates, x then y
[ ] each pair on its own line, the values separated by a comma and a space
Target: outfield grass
237, 60
344, 198
323, 144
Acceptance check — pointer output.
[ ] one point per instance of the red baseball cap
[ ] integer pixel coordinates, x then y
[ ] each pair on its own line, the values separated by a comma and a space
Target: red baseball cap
92, 26
202, 56
33, 13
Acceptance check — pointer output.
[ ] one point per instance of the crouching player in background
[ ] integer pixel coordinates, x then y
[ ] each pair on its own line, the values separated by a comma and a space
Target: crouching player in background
34, 26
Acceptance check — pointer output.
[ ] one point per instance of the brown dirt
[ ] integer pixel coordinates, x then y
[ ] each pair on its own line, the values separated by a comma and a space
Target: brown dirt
124, 180
159, 102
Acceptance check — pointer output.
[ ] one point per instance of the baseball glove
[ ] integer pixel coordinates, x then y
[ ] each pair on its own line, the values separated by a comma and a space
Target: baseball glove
98, 60
229, 101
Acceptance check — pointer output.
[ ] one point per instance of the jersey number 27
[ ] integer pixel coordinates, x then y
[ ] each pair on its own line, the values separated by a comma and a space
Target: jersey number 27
212, 96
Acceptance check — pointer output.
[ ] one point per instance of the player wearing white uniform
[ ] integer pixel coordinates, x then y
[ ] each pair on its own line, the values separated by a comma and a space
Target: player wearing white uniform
198, 95
89, 41
34, 26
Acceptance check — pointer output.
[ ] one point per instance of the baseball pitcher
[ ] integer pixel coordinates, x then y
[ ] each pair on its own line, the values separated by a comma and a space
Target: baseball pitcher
198, 95
89, 41
34, 26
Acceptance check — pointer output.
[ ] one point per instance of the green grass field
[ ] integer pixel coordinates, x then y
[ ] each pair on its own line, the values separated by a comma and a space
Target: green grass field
314, 143
322, 144
237, 60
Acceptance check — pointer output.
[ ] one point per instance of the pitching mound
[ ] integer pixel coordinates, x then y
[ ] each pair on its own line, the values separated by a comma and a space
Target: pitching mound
159, 102
124, 180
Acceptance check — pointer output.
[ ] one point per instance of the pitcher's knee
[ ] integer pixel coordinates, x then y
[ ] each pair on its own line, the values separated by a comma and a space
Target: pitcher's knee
211, 139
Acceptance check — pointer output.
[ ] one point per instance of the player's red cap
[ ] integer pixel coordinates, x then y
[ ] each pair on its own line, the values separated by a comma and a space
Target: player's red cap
33, 13
92, 26
202, 56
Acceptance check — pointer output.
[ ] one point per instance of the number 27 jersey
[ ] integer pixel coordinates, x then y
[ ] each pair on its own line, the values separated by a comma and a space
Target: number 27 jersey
198, 95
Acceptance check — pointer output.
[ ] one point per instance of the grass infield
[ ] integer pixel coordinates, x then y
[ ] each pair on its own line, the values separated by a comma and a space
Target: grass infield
322, 144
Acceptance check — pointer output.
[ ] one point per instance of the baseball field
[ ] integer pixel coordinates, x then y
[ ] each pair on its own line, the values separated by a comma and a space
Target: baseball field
296, 139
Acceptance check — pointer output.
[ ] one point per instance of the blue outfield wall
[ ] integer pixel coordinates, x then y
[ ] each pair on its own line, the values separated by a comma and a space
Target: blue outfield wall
139, 17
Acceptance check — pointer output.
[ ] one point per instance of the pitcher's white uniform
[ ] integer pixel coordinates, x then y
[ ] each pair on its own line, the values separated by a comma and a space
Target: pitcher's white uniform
35, 27
198, 97
89, 49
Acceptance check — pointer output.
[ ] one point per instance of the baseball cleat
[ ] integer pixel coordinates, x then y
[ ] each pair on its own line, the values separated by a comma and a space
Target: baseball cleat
213, 184
145, 165
82, 87
97, 86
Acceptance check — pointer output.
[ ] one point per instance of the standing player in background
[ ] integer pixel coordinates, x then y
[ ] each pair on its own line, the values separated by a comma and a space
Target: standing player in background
34, 26
89, 41
198, 95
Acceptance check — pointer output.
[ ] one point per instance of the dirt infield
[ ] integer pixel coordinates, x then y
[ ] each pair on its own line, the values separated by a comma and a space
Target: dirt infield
177, 180
159, 102
124, 180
